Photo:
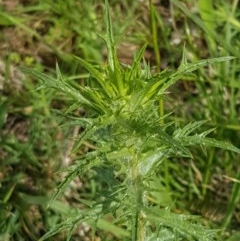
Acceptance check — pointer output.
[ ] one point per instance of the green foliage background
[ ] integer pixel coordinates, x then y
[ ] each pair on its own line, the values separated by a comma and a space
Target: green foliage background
144, 143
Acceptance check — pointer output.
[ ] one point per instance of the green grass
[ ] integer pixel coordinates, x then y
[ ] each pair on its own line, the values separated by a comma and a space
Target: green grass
147, 142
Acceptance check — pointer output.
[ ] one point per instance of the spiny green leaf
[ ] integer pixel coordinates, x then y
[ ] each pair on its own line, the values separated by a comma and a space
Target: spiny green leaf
58, 84
188, 129
136, 64
188, 68
148, 90
201, 140
184, 224
83, 137
99, 77
70, 176
161, 82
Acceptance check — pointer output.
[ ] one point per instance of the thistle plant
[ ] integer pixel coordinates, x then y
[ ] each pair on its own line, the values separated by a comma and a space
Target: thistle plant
132, 142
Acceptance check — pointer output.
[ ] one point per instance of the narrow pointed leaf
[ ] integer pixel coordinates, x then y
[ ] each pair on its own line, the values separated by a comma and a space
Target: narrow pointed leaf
99, 77
58, 84
184, 224
137, 61
188, 129
199, 140
188, 68
113, 62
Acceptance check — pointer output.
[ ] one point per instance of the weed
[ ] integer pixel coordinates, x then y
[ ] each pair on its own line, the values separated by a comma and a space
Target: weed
132, 144
104, 110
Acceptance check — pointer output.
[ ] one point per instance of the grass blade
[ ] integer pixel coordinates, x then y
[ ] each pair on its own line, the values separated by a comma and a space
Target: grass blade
211, 33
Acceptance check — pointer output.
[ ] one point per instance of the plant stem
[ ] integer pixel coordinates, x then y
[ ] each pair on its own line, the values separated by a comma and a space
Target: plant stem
206, 12
207, 174
235, 197
136, 192
154, 35
156, 51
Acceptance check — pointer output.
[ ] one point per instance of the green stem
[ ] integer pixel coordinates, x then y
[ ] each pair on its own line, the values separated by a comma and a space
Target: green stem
235, 197
154, 35
207, 173
156, 50
136, 192
206, 11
